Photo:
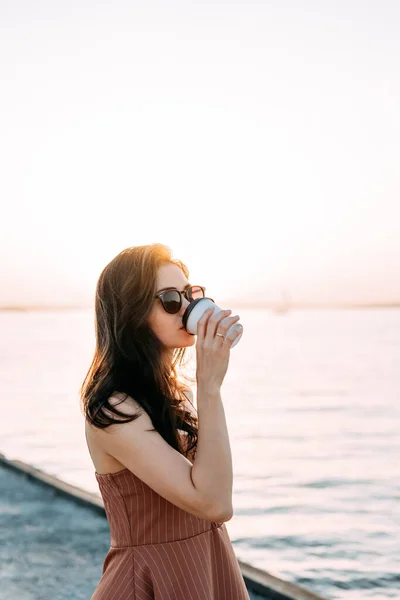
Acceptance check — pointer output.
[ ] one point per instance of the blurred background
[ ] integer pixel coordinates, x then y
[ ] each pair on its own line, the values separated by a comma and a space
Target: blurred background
261, 142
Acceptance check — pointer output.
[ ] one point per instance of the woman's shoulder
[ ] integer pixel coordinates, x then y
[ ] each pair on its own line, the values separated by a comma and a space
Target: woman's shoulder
125, 403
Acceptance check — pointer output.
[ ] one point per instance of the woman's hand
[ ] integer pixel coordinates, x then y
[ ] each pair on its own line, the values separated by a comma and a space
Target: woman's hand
212, 351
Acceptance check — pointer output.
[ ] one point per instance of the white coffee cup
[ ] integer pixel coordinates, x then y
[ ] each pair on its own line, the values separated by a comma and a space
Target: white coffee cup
196, 309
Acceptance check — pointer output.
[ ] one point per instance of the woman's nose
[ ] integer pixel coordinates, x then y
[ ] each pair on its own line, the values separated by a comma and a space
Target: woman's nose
185, 304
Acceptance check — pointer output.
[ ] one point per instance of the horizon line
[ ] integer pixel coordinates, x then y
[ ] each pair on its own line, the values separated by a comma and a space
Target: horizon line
276, 307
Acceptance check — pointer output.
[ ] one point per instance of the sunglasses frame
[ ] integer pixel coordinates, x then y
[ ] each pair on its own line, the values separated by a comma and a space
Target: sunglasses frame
185, 293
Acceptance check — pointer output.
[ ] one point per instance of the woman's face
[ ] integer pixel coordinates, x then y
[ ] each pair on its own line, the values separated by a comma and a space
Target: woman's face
167, 327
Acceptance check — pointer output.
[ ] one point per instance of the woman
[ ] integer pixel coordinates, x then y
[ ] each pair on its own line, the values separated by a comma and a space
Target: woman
164, 473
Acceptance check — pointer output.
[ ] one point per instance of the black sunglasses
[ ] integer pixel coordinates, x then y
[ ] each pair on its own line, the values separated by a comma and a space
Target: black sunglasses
172, 299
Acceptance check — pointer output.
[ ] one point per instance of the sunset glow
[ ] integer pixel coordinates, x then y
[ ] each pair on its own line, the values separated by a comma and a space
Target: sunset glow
263, 150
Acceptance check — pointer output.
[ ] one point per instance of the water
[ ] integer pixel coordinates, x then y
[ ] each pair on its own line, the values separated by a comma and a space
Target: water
312, 404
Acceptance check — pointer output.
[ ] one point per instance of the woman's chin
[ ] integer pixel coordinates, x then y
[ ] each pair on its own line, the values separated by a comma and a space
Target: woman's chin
187, 339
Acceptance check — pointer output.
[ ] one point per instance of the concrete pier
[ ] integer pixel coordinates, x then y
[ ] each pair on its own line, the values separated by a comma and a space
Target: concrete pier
54, 538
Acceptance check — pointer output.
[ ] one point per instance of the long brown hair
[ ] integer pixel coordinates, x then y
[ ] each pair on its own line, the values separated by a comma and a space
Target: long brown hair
129, 358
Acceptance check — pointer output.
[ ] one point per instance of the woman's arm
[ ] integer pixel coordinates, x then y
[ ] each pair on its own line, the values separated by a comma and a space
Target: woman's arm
190, 407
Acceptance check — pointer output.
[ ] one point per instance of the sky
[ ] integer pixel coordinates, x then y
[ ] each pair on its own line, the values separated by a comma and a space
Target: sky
260, 141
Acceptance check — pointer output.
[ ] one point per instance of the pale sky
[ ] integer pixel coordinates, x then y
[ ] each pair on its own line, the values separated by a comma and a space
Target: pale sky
259, 140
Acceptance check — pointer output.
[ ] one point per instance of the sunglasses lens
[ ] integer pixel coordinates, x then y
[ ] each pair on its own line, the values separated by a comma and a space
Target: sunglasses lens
171, 301
196, 292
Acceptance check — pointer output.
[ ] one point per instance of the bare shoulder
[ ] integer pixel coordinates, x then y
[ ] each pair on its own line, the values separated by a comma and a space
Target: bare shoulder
125, 404
141, 449
98, 439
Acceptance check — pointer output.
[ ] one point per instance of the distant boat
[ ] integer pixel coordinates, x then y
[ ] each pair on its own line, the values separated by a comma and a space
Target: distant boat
284, 304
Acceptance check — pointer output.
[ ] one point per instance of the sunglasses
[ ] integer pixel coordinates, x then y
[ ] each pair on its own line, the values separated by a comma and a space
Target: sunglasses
172, 299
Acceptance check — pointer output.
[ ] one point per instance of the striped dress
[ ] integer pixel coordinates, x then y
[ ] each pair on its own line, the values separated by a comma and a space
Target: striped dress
159, 551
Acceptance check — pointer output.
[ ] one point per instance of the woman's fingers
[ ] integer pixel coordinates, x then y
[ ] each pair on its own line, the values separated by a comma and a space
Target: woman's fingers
214, 321
221, 326
208, 322
212, 352
211, 323
202, 323
233, 333
226, 325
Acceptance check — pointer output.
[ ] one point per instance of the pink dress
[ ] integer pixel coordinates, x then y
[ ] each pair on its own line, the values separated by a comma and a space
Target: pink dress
160, 551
